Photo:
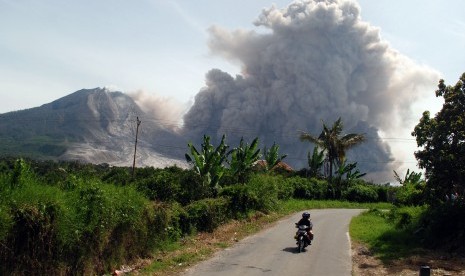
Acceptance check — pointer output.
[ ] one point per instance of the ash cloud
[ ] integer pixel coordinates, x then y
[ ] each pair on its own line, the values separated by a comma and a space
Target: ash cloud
166, 111
316, 61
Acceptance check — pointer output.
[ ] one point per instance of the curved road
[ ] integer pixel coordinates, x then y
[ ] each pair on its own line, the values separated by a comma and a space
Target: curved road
273, 251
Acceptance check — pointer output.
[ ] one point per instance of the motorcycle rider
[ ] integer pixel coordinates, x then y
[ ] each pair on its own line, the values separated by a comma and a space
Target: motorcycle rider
305, 220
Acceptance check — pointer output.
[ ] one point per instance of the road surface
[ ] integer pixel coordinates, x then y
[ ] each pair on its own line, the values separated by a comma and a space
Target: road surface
274, 252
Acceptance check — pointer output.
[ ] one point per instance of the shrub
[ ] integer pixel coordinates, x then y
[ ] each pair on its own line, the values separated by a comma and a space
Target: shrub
406, 217
285, 188
87, 230
410, 194
242, 199
29, 228
208, 214
101, 222
192, 187
266, 189
308, 188
162, 185
443, 227
361, 193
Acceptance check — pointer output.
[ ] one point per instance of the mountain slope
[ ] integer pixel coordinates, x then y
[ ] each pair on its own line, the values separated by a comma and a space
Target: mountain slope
92, 125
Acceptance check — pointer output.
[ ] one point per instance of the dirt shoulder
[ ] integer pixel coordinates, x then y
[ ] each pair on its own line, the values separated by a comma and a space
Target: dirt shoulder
366, 264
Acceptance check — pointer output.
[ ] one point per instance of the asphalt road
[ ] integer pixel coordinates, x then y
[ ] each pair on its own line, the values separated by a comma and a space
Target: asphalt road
274, 252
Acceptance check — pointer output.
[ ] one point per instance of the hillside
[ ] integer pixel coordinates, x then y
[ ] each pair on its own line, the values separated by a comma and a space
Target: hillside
91, 125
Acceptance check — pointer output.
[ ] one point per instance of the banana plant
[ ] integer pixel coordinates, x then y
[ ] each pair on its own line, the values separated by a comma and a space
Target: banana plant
272, 157
411, 177
209, 162
243, 158
315, 161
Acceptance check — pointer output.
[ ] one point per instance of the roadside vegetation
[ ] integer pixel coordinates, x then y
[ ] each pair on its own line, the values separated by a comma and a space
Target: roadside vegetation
60, 218
426, 218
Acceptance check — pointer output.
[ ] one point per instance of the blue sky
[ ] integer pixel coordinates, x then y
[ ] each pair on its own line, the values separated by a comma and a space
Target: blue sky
51, 48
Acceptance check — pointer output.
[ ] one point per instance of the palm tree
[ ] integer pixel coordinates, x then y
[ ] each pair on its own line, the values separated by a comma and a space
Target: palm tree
333, 143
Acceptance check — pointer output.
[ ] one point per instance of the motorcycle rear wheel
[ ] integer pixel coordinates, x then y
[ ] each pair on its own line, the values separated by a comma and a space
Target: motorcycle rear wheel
301, 244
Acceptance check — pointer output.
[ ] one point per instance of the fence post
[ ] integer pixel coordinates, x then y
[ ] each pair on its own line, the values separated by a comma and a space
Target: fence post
425, 270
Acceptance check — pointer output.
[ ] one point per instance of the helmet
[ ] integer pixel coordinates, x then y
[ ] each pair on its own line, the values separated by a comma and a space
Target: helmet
306, 215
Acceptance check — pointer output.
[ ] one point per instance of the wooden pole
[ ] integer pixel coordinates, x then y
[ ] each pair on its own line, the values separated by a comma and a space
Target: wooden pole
135, 147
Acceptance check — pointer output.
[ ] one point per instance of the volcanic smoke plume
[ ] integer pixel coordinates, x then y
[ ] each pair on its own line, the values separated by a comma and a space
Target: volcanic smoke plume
312, 62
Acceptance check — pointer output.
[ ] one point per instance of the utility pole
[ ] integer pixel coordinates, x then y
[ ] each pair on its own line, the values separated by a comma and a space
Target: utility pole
135, 147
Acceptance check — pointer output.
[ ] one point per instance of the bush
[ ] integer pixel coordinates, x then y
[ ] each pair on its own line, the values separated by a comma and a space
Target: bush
171, 222
161, 185
85, 230
443, 227
308, 188
105, 225
410, 194
208, 214
406, 217
192, 187
261, 193
241, 199
361, 193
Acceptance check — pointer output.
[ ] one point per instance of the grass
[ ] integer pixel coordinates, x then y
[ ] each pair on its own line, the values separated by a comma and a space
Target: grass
295, 205
375, 229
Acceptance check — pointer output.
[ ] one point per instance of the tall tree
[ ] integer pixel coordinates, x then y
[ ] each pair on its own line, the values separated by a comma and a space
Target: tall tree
442, 143
242, 159
334, 143
209, 162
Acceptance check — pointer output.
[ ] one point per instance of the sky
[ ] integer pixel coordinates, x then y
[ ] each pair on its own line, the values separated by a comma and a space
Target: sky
51, 48
164, 49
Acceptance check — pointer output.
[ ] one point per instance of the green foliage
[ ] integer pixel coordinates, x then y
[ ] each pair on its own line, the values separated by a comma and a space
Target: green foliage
102, 221
349, 171
376, 229
118, 176
170, 222
443, 227
385, 192
209, 162
308, 188
261, 193
243, 158
207, 214
406, 217
272, 157
316, 162
242, 199
161, 185
404, 230
285, 188
87, 229
411, 194
441, 140
333, 143
192, 187
346, 176
410, 177
361, 193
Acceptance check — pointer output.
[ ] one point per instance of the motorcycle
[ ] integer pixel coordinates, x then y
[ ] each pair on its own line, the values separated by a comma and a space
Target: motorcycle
302, 238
